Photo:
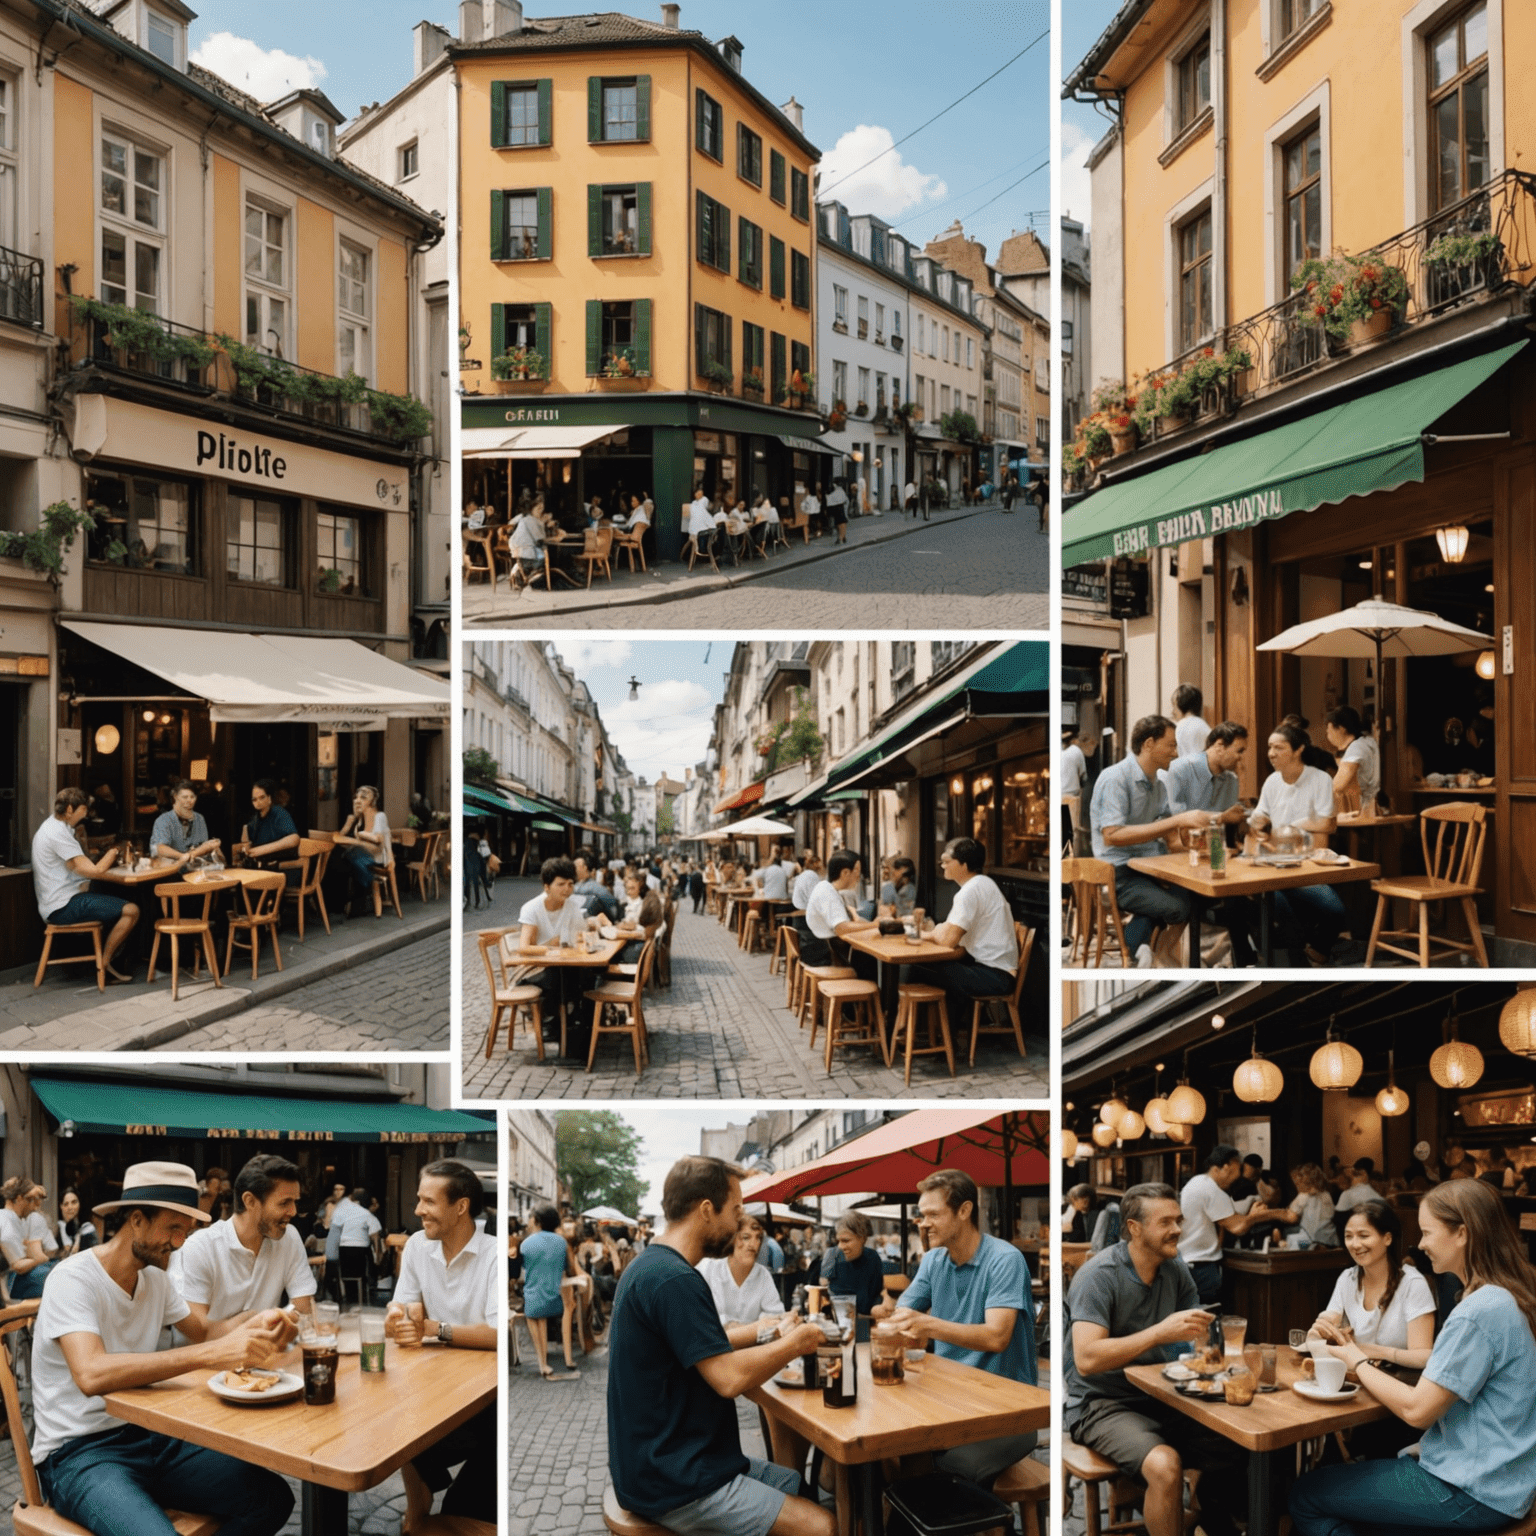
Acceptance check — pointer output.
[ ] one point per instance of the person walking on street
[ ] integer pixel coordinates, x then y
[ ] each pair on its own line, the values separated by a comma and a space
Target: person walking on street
909, 499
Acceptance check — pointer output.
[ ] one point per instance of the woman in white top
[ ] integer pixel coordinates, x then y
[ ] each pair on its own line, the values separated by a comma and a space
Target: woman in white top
526, 541
701, 523
1358, 781
364, 837
742, 1288
1312, 1209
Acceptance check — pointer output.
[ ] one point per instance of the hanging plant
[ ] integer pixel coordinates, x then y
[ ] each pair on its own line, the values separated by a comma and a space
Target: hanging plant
142, 334
44, 548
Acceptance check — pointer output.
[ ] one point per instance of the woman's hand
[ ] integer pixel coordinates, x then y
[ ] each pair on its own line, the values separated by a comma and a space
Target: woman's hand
1329, 1331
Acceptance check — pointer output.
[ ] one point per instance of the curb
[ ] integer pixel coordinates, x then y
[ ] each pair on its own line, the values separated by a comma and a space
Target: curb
723, 583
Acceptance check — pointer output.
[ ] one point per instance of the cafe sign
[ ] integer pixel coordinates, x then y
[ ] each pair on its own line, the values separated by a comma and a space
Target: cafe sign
1200, 523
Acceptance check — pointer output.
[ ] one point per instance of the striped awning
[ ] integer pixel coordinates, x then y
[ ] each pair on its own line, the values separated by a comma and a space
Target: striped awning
743, 798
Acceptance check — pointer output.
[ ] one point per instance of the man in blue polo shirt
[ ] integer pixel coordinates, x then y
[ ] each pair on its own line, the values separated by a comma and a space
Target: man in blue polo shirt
1132, 819
971, 1296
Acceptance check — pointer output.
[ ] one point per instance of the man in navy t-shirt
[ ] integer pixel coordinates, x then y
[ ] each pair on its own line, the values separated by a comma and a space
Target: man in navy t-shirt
674, 1452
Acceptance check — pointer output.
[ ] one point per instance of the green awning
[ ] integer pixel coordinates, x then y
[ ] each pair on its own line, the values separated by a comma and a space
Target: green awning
1371, 443
543, 824
805, 444
141, 1109
477, 800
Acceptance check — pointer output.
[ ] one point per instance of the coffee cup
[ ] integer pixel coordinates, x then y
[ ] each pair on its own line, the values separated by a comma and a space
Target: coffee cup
1330, 1374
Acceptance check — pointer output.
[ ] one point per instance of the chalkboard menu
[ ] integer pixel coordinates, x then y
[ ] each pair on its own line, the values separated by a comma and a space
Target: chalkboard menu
1128, 587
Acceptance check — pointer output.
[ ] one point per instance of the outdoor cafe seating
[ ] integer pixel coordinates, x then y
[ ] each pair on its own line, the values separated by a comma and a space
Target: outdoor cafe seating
96, 957
176, 927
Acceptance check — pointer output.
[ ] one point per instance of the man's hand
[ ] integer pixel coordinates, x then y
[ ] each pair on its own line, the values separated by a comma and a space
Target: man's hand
283, 1326
1184, 1327
410, 1328
915, 1324
883, 1308
1193, 821
251, 1344
805, 1337
392, 1316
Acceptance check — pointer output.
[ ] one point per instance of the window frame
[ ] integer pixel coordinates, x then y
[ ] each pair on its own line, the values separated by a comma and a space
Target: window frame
501, 224
598, 224
288, 549
196, 566
1436, 96
262, 290
364, 560
707, 319
749, 155
708, 126
125, 225
1188, 110
778, 168
799, 195
501, 113
799, 279
598, 87
712, 247
408, 155
777, 264
749, 270
361, 320
1310, 185
1184, 268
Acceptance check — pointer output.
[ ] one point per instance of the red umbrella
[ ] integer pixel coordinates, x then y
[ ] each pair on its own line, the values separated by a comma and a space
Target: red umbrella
896, 1156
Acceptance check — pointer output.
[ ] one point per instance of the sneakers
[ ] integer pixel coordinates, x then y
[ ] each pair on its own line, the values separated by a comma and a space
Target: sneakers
1144, 961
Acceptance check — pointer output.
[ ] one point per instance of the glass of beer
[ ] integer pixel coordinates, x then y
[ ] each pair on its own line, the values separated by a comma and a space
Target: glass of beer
371, 1338
887, 1355
1239, 1385
318, 1339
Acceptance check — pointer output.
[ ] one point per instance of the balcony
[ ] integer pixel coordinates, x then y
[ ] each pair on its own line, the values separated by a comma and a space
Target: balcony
896, 343
21, 288
129, 343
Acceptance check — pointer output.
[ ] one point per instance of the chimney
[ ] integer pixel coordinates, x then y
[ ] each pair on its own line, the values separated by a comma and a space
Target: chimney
429, 42
795, 113
470, 14
669, 16
503, 16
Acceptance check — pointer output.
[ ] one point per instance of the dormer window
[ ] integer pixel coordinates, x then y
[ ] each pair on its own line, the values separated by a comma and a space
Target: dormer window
164, 34
320, 136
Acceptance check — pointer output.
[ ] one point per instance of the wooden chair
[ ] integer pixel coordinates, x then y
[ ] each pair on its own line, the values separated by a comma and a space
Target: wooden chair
707, 553
1104, 1484
264, 912
631, 543
479, 555
866, 1024
1094, 911
1010, 1000
1452, 836
314, 855
595, 552
622, 1523
791, 937
425, 868
384, 879
912, 1001
628, 995
96, 958
418, 1519
507, 996
780, 950
1026, 1483
175, 927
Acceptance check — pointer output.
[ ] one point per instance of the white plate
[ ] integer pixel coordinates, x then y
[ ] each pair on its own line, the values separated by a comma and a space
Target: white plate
1310, 1389
609, 932
288, 1385
1176, 1372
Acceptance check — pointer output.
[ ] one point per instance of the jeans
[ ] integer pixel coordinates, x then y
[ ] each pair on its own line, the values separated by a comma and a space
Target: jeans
1311, 914
1150, 903
29, 1287
472, 1493
1207, 1276
962, 981
360, 867
1370, 1496
118, 1483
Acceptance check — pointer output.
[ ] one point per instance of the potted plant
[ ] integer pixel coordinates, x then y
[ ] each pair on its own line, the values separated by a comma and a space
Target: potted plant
837, 417
1096, 442
752, 382
520, 365
1463, 261
862, 408
620, 364
1117, 404
1354, 298
330, 579
720, 376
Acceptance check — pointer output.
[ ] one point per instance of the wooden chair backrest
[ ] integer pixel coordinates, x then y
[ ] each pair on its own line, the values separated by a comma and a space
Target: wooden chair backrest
643, 970
1087, 872
1455, 851
173, 891
405, 836
671, 923
319, 850
1026, 941
13, 1317
792, 939
317, 835
491, 952
268, 890
599, 541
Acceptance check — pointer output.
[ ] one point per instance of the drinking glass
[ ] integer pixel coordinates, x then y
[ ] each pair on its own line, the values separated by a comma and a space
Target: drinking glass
847, 1309
371, 1335
1298, 1340
318, 1341
1239, 1385
887, 1355
1268, 1368
1233, 1331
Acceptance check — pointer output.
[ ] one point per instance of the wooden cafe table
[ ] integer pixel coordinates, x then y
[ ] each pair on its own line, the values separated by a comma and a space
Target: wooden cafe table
1245, 877
376, 1425
578, 958
893, 952
1267, 1429
944, 1406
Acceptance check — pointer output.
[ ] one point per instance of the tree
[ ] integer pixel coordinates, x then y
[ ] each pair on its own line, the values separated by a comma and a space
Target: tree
666, 825
597, 1155
480, 767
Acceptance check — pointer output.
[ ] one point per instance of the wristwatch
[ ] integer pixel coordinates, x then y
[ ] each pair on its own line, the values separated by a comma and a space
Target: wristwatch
445, 1333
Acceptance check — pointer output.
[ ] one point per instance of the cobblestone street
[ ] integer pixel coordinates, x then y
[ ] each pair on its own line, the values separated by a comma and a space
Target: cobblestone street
720, 1031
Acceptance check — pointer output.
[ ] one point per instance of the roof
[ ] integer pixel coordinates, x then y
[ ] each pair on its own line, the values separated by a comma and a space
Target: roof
317, 99
1092, 65
614, 30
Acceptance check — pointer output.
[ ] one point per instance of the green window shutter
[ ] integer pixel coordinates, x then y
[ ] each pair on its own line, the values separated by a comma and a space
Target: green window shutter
498, 113
701, 209
780, 377
743, 255
725, 341
643, 216
498, 343
643, 108
594, 337
698, 338
723, 238
642, 336
594, 220
776, 267
698, 118
541, 319
498, 226
546, 199
594, 109
546, 111
776, 176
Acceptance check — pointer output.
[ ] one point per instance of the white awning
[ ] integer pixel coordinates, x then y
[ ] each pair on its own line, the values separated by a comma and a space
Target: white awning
337, 685
530, 442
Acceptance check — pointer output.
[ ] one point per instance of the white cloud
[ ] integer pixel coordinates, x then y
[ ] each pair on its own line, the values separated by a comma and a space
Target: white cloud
665, 700
887, 188
668, 725
583, 655
1076, 182
266, 74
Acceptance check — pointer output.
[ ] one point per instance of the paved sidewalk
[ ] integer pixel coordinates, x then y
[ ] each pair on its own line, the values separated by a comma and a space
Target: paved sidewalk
720, 1031
669, 582
67, 1013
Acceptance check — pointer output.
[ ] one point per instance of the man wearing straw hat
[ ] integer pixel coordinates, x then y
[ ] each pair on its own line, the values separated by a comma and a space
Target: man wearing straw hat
98, 1331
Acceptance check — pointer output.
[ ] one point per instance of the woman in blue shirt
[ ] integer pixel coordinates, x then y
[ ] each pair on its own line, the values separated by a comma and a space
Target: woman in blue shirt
1476, 1469
852, 1269
546, 1262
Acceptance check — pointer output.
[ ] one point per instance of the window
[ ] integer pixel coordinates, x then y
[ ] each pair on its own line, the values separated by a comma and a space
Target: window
1195, 303
408, 161
354, 312
160, 38
1042, 431
1294, 12
521, 112
619, 220
863, 317
749, 155
776, 168
840, 382
260, 541
944, 399
920, 345
880, 324
779, 365
1301, 162
775, 267
709, 126
714, 233
800, 194
266, 278
1458, 107
1066, 338
343, 570
145, 524
8, 165
1194, 71
518, 327
839, 309
903, 667
618, 110
799, 358
970, 351
520, 224
799, 279
879, 394
917, 388
752, 351
749, 256
619, 331
711, 339
864, 387
946, 344
133, 214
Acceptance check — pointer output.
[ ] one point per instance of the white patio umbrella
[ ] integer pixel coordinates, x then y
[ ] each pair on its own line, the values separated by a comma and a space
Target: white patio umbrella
1375, 628
608, 1213
759, 826
782, 1214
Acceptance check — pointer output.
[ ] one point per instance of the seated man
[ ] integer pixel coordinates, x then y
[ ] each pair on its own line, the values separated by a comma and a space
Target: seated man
1132, 819
450, 1290
591, 893
980, 923
1136, 1304
900, 891
828, 917
26, 1255
98, 1331
971, 1296
271, 838
181, 833
62, 874
674, 1446
555, 915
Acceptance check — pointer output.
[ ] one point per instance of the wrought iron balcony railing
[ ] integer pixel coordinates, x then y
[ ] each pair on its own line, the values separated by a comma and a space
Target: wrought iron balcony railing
21, 287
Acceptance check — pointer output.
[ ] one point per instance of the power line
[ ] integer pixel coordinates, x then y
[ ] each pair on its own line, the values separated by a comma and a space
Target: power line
956, 196
822, 191
1006, 190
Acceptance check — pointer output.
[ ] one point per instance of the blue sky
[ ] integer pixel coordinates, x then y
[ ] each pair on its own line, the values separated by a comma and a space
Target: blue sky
1082, 126
884, 66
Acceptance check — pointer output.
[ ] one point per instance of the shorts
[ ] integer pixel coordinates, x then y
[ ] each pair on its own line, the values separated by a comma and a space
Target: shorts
90, 907
839, 515
748, 1505
1126, 1433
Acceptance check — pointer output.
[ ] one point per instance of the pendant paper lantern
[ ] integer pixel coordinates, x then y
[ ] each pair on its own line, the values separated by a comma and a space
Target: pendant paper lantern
1131, 1126
1456, 1064
1186, 1106
1517, 1023
1156, 1116
1068, 1146
1257, 1080
1183, 1134
1111, 1110
1392, 1100
1336, 1066
1453, 542
1104, 1135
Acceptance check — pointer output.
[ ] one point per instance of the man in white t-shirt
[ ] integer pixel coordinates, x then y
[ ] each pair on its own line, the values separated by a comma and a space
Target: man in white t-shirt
98, 1331
828, 916
980, 923
556, 916
806, 881
62, 875
38, 1226
24, 1253
1208, 1212
1190, 729
701, 523
771, 882
449, 1290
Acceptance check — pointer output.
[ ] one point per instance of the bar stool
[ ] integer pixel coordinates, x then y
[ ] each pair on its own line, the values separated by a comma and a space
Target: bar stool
96, 958
622, 1523
1098, 1476
782, 927
1026, 1483
811, 977
866, 1026
912, 1000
